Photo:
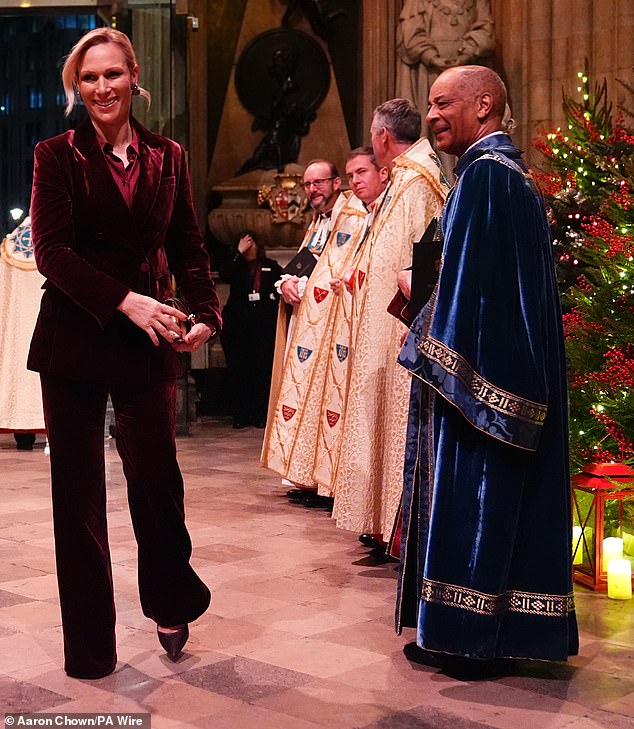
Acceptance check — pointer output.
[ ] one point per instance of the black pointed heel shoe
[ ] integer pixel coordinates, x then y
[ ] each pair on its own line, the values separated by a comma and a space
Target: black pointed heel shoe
173, 643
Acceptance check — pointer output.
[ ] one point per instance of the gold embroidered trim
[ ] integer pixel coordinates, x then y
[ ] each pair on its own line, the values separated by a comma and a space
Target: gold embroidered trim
529, 603
502, 160
485, 392
435, 183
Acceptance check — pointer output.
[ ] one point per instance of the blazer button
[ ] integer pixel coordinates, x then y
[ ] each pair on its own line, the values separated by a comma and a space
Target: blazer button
145, 267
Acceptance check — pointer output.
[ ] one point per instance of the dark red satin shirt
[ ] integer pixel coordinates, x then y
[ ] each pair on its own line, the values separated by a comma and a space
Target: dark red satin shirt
126, 176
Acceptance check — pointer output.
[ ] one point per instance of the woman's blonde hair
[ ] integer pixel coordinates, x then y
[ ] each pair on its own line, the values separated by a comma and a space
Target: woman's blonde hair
70, 75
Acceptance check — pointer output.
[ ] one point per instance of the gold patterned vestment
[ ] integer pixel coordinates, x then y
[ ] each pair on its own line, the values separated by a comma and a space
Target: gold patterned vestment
335, 391
367, 477
301, 352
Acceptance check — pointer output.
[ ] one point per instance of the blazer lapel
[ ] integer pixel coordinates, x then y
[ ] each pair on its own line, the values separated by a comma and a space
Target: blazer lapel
151, 159
103, 196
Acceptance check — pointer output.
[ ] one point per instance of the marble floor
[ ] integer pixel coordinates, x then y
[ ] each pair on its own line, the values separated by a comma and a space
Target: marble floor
299, 634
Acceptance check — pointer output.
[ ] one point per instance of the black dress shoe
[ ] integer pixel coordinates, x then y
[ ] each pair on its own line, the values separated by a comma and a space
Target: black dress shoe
319, 502
460, 667
300, 495
239, 424
24, 441
474, 669
173, 643
380, 556
416, 654
369, 541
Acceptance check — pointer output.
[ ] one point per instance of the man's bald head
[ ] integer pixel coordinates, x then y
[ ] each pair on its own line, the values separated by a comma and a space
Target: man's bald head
478, 80
465, 104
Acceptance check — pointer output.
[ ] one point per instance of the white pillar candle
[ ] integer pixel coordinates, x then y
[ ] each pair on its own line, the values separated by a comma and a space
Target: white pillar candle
612, 549
620, 579
577, 544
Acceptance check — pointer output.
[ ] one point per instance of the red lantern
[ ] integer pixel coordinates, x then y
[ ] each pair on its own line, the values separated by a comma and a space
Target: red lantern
603, 506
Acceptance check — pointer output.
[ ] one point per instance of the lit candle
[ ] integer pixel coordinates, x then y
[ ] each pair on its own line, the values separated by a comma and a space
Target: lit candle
620, 579
612, 549
577, 544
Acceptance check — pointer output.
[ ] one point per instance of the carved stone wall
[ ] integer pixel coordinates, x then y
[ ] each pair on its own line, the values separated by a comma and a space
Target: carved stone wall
540, 47
542, 44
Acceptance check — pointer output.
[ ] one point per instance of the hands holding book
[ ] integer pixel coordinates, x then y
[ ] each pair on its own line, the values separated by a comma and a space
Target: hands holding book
289, 290
404, 281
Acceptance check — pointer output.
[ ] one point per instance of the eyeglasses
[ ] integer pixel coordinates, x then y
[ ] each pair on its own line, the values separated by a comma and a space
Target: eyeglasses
317, 183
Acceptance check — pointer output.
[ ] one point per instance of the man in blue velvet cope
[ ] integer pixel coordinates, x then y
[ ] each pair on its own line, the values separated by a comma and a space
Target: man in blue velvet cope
486, 536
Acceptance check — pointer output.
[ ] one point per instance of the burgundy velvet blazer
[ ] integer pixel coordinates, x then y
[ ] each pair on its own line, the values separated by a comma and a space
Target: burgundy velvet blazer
93, 249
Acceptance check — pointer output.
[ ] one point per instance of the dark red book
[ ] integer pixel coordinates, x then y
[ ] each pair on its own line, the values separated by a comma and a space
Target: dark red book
426, 257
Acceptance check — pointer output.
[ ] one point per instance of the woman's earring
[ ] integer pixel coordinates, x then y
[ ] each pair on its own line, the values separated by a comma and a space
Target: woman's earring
135, 89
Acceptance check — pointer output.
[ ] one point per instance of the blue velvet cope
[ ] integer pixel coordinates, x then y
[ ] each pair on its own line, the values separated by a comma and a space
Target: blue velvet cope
486, 535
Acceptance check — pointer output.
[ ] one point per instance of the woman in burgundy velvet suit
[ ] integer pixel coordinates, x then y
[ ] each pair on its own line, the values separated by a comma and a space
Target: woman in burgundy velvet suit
112, 223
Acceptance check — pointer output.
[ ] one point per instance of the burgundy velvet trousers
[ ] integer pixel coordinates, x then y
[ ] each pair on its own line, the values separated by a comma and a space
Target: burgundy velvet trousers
171, 592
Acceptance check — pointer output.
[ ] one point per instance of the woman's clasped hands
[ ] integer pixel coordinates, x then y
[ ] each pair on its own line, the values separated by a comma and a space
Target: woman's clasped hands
158, 319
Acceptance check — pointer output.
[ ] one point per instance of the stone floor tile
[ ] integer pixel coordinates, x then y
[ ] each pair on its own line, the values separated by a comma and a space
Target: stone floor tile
181, 701
21, 696
330, 703
247, 716
316, 657
244, 679
304, 620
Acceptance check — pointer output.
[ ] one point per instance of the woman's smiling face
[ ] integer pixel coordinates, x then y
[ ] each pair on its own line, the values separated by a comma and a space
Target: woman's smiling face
104, 83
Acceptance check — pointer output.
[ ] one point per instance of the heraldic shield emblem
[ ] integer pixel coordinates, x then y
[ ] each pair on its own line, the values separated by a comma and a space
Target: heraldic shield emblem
342, 352
342, 239
286, 198
303, 353
288, 412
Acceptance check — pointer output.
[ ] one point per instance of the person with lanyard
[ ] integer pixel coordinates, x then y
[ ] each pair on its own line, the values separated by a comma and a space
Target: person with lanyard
486, 571
113, 224
367, 477
248, 334
303, 334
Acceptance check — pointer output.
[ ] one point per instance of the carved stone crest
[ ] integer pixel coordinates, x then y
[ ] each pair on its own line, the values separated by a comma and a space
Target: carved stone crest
286, 199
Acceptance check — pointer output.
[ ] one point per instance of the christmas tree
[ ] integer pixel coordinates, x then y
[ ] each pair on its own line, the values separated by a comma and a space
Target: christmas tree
590, 193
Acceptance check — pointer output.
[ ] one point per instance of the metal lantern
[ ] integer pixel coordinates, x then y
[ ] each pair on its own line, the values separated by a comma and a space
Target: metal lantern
603, 518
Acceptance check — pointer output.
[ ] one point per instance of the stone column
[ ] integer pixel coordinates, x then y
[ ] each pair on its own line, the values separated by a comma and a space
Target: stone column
379, 19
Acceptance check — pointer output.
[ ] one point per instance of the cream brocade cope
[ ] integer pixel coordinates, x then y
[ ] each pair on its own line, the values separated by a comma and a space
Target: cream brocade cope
20, 294
368, 476
335, 388
291, 432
